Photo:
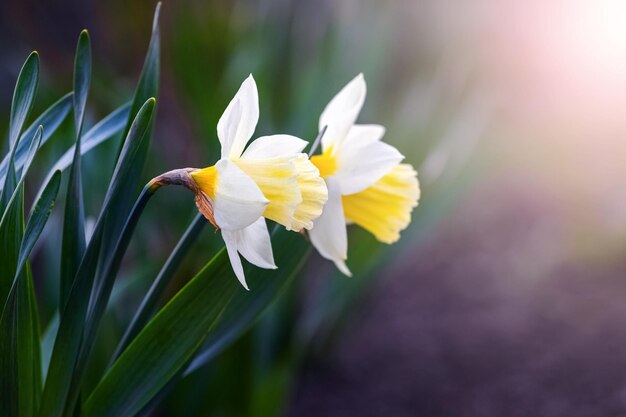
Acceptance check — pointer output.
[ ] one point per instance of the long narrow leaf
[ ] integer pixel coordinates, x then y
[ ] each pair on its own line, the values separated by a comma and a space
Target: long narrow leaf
36, 222
82, 79
71, 327
147, 87
51, 118
104, 130
10, 237
23, 96
34, 147
108, 127
165, 346
73, 243
19, 323
19, 318
149, 303
117, 219
28, 347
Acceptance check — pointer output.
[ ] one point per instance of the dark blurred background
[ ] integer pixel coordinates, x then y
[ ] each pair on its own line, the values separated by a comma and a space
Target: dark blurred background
506, 295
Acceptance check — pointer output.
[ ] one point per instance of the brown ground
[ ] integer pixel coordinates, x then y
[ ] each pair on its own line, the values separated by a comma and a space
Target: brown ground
488, 318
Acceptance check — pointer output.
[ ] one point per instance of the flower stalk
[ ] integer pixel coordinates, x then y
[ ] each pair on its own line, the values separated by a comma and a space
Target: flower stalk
150, 301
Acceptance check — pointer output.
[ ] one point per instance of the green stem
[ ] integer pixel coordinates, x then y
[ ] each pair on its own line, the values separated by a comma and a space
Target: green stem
101, 292
150, 301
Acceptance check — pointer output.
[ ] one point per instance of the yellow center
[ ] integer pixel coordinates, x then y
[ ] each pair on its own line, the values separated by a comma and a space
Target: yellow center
206, 179
326, 163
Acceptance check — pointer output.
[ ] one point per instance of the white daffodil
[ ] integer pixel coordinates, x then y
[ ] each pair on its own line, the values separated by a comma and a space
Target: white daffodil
271, 178
367, 184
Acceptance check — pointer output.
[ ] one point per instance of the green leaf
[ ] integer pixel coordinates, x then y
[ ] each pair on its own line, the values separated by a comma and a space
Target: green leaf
69, 337
10, 237
51, 119
113, 244
99, 133
47, 343
37, 221
147, 87
20, 362
82, 78
73, 243
210, 300
23, 96
150, 301
34, 147
11, 226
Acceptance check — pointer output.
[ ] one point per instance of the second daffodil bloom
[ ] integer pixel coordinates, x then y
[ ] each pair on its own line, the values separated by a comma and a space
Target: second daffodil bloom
367, 183
271, 178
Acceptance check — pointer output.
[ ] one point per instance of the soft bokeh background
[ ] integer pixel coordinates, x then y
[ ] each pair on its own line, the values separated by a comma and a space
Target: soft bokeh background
504, 297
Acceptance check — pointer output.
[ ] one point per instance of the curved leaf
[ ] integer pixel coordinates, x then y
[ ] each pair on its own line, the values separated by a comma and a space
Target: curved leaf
34, 147
35, 225
149, 303
51, 119
148, 86
82, 78
20, 361
73, 243
101, 132
197, 313
23, 96
69, 337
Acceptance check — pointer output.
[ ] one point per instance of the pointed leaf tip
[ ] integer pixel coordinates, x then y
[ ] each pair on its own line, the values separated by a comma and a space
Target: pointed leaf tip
23, 96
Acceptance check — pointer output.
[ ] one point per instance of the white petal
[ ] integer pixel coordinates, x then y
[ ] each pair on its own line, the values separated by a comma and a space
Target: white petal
237, 124
238, 200
361, 165
341, 112
329, 235
230, 239
361, 134
273, 146
342, 267
254, 244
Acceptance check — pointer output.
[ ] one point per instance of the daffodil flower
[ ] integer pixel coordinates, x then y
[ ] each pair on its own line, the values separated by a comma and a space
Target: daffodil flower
367, 183
270, 178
